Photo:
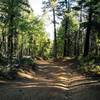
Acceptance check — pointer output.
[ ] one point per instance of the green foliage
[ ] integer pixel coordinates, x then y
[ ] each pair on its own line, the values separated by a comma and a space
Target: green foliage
95, 69
8, 72
35, 37
53, 3
72, 28
90, 65
27, 61
3, 60
72, 21
21, 32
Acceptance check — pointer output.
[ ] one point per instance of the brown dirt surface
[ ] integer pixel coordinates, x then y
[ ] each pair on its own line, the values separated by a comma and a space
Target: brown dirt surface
52, 81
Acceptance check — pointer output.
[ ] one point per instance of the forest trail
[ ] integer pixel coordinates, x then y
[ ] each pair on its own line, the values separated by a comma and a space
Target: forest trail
59, 73
53, 81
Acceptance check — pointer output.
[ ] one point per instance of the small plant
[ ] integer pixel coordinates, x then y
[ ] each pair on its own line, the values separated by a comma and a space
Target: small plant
8, 72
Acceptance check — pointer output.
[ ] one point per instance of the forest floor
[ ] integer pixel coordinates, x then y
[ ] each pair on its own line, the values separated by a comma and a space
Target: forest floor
54, 80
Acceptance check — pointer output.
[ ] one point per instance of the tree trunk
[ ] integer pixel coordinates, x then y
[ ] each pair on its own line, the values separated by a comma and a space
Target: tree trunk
68, 46
55, 40
87, 38
10, 48
65, 40
75, 45
10, 40
65, 35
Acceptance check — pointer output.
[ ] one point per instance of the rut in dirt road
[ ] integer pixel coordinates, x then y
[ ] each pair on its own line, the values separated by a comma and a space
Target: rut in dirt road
60, 74
53, 81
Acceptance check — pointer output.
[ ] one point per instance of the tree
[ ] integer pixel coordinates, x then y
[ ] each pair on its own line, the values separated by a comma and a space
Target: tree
52, 5
11, 13
73, 27
86, 36
91, 10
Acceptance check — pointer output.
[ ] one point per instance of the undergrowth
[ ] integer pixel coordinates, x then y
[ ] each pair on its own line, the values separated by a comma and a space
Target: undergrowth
8, 71
90, 65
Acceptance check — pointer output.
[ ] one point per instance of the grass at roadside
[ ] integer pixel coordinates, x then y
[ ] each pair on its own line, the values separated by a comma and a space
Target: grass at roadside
90, 65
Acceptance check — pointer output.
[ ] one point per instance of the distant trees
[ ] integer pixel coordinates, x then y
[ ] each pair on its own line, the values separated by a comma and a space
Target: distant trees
51, 5
11, 13
92, 11
81, 41
21, 32
77, 34
73, 28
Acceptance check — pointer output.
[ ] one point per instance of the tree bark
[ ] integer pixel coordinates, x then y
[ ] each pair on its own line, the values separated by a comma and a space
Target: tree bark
88, 32
55, 39
65, 35
10, 40
65, 40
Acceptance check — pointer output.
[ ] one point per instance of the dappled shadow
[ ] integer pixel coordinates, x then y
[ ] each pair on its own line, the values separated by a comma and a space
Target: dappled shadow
54, 74
62, 72
52, 81
59, 72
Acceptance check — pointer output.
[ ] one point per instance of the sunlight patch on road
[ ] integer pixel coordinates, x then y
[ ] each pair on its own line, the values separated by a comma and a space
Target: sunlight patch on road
25, 75
62, 78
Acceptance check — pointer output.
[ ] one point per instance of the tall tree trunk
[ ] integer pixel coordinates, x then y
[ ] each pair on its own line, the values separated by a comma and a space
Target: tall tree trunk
65, 34
79, 37
15, 44
87, 38
68, 30
30, 44
75, 44
65, 40
68, 45
10, 40
20, 55
3, 42
55, 39
10, 48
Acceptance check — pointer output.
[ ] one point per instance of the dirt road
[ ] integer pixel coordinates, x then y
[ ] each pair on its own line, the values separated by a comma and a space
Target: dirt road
53, 81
